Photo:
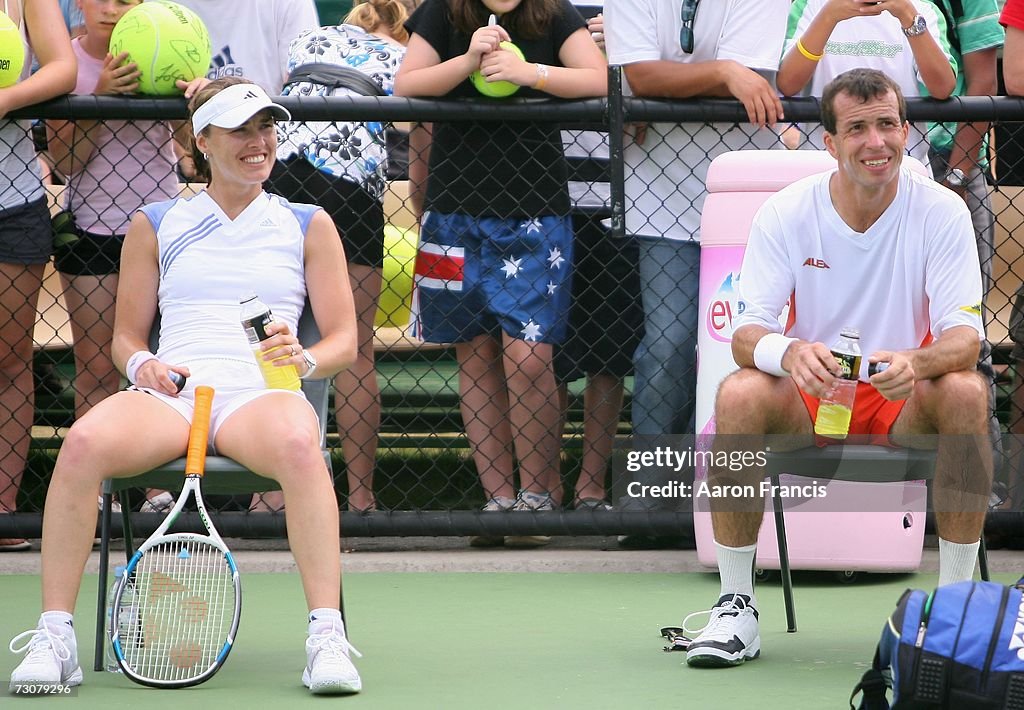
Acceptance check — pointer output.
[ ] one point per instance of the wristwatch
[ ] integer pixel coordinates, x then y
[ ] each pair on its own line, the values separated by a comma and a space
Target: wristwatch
310, 364
918, 27
956, 178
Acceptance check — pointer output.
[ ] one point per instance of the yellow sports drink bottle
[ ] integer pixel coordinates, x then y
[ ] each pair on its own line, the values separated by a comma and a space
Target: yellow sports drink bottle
256, 316
836, 408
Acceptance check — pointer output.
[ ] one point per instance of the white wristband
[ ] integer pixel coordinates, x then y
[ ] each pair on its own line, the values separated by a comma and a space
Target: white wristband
769, 351
137, 360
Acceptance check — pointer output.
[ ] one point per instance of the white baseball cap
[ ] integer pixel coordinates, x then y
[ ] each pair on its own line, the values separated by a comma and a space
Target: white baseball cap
233, 106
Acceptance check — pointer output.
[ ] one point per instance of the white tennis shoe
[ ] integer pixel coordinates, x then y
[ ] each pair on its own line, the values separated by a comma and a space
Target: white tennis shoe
51, 658
329, 670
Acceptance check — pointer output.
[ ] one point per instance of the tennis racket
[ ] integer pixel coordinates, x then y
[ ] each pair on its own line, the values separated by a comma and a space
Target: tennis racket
176, 609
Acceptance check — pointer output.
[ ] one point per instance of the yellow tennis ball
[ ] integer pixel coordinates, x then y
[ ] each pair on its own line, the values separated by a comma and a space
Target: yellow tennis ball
497, 89
12, 52
395, 303
167, 41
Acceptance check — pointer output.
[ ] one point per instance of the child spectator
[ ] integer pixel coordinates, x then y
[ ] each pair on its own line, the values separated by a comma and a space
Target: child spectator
496, 239
112, 169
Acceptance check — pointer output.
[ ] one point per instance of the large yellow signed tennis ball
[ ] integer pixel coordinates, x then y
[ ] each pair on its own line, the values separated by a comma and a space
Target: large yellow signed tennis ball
497, 89
12, 52
394, 306
167, 41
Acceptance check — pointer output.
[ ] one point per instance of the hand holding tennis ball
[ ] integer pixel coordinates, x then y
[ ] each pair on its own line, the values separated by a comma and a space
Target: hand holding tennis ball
498, 58
498, 66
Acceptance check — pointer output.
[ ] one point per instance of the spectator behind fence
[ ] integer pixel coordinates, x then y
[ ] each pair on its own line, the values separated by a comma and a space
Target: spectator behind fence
496, 240
194, 285
606, 317
342, 166
1013, 77
112, 168
683, 50
868, 220
26, 238
906, 39
959, 152
1013, 53
250, 39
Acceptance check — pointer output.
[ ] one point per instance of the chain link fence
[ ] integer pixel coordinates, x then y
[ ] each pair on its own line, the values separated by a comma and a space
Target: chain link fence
402, 461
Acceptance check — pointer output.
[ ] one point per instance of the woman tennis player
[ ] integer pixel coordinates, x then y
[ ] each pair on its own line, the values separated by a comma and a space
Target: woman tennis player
189, 260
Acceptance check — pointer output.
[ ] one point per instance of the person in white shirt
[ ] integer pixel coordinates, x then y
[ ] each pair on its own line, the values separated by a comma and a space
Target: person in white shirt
874, 246
684, 49
906, 39
187, 260
250, 38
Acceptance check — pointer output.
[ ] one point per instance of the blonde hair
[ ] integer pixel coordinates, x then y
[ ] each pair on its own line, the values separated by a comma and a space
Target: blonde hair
386, 16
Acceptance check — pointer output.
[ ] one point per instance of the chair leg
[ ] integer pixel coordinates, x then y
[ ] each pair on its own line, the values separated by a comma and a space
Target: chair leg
784, 572
126, 525
101, 591
983, 559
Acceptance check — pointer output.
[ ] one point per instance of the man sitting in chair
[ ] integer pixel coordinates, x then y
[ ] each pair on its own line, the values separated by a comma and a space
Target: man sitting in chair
874, 246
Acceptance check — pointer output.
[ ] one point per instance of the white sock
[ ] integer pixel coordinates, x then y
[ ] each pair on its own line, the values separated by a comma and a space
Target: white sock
324, 619
58, 620
736, 568
956, 561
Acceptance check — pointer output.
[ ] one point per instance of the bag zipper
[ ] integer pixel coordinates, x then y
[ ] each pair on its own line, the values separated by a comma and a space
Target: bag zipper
995, 637
919, 642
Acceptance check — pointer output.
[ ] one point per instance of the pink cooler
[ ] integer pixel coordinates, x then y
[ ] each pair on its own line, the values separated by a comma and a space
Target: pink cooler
821, 534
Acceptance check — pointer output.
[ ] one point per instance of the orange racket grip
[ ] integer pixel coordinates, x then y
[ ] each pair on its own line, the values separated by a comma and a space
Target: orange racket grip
195, 463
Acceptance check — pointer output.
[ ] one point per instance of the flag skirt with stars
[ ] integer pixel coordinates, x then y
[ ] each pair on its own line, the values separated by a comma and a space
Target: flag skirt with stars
484, 275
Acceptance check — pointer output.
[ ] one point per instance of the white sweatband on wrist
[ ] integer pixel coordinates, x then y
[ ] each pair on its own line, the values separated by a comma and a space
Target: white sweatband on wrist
137, 360
769, 351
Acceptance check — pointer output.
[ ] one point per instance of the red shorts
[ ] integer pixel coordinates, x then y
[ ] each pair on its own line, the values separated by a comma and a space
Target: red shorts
873, 415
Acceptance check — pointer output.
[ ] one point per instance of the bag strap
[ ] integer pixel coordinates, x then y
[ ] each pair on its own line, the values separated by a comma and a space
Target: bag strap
335, 77
874, 686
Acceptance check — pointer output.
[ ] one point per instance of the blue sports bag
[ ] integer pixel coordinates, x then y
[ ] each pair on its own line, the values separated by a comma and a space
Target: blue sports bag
962, 647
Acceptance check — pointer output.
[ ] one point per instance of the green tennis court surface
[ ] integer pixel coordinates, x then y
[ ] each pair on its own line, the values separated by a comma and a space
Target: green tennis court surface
490, 640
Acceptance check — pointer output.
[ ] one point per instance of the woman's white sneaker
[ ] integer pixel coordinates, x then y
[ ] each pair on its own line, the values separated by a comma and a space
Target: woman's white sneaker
51, 658
329, 670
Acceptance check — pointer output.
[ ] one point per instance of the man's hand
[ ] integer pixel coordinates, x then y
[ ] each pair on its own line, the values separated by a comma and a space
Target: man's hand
896, 382
839, 10
812, 367
595, 25
902, 10
756, 94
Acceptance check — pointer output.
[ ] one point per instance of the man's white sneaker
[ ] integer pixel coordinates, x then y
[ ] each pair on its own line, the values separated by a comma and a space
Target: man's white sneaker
730, 637
51, 658
329, 670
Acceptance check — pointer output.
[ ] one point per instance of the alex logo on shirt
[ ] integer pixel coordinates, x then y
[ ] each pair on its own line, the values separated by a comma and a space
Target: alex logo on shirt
816, 263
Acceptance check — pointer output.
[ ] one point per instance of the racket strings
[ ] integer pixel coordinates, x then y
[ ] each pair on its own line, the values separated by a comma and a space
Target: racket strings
176, 624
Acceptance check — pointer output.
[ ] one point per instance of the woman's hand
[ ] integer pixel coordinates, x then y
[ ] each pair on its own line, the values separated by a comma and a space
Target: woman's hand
154, 375
281, 344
